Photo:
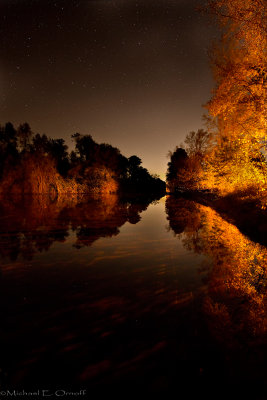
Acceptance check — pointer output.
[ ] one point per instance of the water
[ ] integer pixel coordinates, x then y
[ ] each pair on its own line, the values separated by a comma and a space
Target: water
114, 296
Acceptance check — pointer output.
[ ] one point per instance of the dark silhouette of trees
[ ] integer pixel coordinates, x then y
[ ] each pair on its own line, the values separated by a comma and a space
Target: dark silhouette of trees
186, 168
90, 167
134, 162
177, 161
40, 144
59, 152
24, 134
93, 162
176, 169
138, 179
8, 146
84, 146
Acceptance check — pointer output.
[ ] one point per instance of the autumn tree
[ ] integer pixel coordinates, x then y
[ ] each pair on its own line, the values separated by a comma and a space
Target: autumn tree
34, 163
197, 143
187, 166
238, 102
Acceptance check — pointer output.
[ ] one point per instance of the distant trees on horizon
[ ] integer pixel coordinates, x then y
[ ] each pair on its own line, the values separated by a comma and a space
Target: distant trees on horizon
90, 167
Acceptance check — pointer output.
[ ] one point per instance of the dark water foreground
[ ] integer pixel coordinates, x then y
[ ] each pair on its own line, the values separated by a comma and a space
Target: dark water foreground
122, 297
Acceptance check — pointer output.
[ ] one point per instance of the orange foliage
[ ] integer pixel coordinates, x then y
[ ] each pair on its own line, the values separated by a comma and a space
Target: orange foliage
237, 107
99, 179
38, 174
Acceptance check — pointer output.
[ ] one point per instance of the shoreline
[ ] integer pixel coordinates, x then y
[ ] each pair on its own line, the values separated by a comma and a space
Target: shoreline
244, 213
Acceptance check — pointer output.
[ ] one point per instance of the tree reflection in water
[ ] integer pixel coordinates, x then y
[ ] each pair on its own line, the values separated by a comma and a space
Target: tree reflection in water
32, 224
234, 306
137, 317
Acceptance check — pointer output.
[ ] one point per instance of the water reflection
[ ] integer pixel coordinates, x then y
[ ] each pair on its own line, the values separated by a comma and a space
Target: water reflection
150, 308
235, 303
32, 224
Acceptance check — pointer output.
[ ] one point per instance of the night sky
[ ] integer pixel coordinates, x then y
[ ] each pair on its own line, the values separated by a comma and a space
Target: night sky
134, 74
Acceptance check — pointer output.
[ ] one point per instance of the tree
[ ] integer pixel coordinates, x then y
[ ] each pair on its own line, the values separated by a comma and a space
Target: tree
238, 101
92, 167
8, 140
176, 169
59, 151
134, 161
239, 65
84, 146
24, 134
187, 167
134, 164
197, 143
40, 144
108, 156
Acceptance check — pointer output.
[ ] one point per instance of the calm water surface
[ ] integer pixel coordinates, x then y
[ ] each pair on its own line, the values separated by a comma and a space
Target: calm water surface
114, 296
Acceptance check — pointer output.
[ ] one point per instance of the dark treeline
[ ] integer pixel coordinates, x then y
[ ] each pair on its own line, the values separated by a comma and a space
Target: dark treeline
34, 163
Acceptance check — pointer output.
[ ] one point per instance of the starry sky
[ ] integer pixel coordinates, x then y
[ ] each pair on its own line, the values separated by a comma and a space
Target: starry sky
134, 74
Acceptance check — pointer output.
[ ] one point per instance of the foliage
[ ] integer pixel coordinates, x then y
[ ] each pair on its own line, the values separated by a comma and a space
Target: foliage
231, 155
238, 102
186, 168
34, 163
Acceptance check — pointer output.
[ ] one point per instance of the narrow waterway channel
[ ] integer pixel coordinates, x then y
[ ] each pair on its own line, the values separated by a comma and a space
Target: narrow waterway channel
112, 296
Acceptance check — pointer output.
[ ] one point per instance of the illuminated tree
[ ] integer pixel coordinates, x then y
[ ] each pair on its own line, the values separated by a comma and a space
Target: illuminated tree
238, 102
197, 143
186, 169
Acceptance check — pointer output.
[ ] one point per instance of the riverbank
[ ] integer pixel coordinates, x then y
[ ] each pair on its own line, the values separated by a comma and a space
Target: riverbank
243, 210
